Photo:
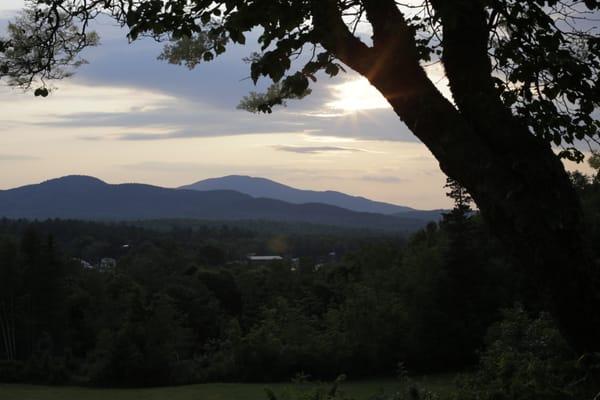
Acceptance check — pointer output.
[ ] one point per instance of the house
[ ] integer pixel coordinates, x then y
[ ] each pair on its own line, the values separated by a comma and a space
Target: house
84, 264
107, 264
254, 259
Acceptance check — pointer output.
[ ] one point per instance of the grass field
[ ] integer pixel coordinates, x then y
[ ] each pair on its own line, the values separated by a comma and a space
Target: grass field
359, 390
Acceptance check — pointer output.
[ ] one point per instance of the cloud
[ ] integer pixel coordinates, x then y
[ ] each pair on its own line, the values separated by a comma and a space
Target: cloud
192, 120
204, 100
199, 103
16, 157
9, 8
383, 178
203, 170
317, 149
221, 82
168, 166
181, 134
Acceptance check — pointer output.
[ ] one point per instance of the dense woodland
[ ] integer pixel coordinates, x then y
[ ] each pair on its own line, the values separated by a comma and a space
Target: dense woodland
183, 305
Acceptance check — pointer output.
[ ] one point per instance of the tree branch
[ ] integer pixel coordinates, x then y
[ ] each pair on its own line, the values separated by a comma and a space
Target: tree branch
468, 65
387, 22
334, 35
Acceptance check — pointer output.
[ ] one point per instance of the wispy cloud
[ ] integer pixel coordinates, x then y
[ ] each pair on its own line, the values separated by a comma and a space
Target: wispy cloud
317, 149
383, 178
168, 166
188, 119
175, 134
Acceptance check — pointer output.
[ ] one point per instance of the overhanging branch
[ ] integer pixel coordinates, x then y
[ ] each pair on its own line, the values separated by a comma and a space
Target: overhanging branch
334, 35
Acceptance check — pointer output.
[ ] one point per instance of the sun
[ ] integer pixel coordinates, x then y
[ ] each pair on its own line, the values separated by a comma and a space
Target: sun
356, 95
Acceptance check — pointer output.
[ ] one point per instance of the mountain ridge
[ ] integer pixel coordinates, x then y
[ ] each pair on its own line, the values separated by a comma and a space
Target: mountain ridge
267, 188
89, 198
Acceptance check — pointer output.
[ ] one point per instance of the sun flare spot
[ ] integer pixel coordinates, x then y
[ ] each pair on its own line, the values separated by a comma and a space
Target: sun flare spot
356, 95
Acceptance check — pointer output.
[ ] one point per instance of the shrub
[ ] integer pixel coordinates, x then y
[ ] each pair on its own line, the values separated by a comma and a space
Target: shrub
12, 371
527, 358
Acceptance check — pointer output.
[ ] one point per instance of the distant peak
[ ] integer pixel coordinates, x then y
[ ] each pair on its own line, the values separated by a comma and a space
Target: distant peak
239, 177
76, 179
266, 188
233, 180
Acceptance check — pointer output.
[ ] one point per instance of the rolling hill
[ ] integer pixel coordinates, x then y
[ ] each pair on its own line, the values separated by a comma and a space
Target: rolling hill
261, 187
83, 197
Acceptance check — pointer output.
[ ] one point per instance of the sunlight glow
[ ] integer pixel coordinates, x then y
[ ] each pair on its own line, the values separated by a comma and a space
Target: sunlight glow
357, 95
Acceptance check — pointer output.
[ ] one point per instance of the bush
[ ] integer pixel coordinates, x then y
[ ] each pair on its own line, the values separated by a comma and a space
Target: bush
46, 369
12, 371
527, 358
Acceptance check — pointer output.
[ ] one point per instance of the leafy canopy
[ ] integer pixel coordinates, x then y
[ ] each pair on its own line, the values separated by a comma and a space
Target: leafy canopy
41, 46
545, 54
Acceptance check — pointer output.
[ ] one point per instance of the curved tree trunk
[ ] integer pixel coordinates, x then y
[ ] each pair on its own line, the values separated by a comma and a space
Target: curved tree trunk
518, 183
520, 187
523, 192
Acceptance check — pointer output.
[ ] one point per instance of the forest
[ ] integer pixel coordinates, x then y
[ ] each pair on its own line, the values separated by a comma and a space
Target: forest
177, 302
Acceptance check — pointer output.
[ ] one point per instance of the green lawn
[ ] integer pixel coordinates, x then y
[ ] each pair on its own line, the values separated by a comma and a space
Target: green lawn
360, 390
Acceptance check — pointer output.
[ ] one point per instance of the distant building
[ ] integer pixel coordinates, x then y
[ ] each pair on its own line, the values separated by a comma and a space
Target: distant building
107, 263
253, 259
84, 264
295, 264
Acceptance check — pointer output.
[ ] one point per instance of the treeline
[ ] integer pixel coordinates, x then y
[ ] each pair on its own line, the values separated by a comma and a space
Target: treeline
180, 306
198, 240
176, 311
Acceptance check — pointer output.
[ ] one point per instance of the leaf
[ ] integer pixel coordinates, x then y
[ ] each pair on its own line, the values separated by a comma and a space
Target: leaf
208, 56
219, 49
237, 36
43, 92
275, 71
133, 34
205, 18
255, 70
332, 70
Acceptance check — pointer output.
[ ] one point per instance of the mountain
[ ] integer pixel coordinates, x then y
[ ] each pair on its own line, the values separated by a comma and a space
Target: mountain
425, 215
83, 197
261, 187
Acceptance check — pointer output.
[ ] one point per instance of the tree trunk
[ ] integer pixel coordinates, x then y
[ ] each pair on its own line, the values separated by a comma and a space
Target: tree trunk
6, 330
519, 185
521, 189
13, 328
4, 333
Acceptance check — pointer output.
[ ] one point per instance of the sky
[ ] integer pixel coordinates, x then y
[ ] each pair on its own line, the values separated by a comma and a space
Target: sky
128, 117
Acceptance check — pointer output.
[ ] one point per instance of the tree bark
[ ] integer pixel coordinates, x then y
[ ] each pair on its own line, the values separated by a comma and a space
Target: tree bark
6, 328
522, 191
519, 185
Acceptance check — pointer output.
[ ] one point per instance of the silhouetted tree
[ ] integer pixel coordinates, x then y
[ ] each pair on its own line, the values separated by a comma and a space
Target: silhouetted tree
462, 203
32, 53
594, 162
9, 289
